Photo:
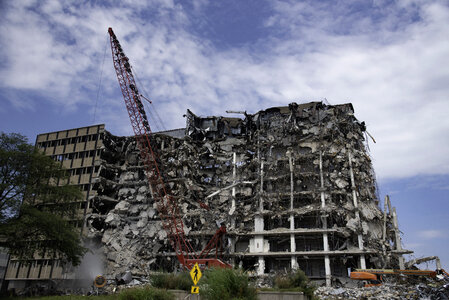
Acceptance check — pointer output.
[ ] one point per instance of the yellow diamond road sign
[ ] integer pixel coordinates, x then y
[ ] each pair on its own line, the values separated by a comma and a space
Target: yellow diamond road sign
195, 273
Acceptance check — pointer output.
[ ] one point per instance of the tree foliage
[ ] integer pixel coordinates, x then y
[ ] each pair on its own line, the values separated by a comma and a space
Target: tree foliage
295, 281
14, 159
226, 284
36, 203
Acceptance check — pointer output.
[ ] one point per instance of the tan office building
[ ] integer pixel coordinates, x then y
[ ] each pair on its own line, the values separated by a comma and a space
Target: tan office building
78, 150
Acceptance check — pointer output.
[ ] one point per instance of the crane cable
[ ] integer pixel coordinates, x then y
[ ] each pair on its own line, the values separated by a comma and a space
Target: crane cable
156, 118
101, 77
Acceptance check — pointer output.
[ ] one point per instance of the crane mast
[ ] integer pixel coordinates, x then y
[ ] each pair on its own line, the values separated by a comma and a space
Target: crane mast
166, 204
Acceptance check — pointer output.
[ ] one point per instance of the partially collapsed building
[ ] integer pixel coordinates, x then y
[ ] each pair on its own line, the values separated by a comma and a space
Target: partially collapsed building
294, 185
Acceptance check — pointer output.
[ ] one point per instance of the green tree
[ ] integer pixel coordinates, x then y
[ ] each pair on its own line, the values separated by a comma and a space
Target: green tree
36, 203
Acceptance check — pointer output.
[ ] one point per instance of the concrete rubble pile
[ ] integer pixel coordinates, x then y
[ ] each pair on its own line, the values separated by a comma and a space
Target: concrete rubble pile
399, 291
294, 186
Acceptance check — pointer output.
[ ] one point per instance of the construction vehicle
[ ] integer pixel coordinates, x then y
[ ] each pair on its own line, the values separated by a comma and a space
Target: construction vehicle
374, 277
166, 204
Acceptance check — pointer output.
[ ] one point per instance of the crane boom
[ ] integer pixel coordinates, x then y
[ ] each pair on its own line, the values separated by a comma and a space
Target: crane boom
166, 204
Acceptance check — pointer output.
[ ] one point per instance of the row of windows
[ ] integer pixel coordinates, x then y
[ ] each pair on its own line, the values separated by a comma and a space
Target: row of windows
67, 141
75, 155
84, 187
38, 262
84, 170
37, 268
77, 223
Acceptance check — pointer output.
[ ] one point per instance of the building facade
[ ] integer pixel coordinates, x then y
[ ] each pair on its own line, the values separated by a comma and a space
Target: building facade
294, 186
78, 151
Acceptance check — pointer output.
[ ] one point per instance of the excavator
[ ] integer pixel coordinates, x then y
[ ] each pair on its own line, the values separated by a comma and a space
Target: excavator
167, 205
374, 277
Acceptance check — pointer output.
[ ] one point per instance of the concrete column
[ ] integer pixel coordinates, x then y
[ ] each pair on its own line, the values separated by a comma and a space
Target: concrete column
261, 267
357, 214
231, 246
259, 226
231, 240
327, 265
294, 262
234, 175
259, 243
384, 233
261, 187
398, 239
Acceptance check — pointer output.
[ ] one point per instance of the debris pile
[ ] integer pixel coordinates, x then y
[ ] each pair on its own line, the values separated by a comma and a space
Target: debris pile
294, 185
386, 292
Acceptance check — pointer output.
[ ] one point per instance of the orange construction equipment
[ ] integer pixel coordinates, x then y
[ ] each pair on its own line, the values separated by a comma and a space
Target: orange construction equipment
373, 277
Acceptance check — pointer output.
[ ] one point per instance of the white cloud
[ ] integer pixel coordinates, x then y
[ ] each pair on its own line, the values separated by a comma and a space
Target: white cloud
431, 234
391, 64
413, 245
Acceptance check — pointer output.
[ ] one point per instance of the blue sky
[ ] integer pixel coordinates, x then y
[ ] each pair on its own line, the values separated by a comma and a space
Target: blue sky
388, 58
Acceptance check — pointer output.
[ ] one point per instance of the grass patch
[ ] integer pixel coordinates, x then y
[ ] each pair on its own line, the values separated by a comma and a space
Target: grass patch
296, 281
138, 293
145, 293
225, 284
179, 281
67, 297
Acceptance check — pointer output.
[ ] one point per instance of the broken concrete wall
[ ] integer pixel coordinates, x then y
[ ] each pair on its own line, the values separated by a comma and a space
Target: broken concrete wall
294, 186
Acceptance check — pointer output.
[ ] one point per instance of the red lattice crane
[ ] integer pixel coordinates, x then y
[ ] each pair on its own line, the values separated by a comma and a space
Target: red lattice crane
166, 204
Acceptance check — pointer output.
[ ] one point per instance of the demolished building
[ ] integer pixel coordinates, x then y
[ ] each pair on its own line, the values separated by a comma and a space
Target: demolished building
294, 186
